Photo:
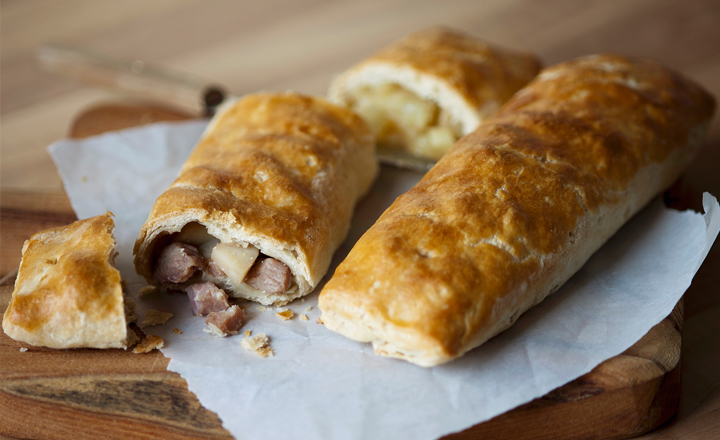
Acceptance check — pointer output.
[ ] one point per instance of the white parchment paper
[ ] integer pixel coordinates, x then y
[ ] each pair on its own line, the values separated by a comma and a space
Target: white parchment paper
322, 385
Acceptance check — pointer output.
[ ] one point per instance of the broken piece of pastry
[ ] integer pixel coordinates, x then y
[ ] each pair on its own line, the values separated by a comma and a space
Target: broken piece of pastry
148, 344
517, 207
258, 344
425, 91
68, 294
260, 206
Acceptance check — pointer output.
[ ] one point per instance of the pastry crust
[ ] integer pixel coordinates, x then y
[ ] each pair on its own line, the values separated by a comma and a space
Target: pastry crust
279, 171
465, 77
67, 293
517, 207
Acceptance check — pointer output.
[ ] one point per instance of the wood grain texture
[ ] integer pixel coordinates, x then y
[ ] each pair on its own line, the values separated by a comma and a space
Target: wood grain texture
86, 393
110, 117
624, 396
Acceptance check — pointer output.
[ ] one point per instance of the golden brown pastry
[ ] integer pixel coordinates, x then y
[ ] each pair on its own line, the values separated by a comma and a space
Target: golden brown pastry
261, 204
517, 207
67, 293
426, 90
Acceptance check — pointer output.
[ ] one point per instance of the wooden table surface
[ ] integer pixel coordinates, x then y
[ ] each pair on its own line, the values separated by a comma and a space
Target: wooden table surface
285, 44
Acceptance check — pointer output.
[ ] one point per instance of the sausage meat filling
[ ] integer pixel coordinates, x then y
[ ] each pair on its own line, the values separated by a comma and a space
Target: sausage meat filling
201, 265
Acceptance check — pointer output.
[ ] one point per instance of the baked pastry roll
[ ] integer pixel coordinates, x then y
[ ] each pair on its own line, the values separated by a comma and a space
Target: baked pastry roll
67, 293
517, 207
425, 91
263, 201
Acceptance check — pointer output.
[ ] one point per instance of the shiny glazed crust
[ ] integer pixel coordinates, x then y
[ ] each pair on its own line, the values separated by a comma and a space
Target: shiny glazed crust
280, 171
517, 207
67, 293
462, 75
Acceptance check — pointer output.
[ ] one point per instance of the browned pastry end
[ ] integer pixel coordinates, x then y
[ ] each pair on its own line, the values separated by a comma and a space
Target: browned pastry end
517, 207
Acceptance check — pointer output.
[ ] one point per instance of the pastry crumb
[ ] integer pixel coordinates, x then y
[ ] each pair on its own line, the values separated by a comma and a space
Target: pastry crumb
177, 330
303, 317
147, 290
155, 317
150, 343
23, 349
248, 332
131, 338
319, 321
285, 315
307, 309
261, 308
258, 344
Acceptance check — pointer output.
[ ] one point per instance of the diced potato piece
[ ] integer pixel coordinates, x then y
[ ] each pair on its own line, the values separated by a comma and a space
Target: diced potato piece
391, 102
434, 143
234, 261
372, 113
400, 119
408, 110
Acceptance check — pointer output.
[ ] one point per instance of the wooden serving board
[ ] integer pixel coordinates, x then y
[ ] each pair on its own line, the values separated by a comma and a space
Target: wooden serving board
89, 394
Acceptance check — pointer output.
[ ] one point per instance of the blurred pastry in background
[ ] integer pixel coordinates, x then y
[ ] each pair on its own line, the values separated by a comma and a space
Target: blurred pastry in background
425, 91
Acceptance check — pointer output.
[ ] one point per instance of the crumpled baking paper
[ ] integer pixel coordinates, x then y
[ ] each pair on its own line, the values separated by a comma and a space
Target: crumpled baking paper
322, 385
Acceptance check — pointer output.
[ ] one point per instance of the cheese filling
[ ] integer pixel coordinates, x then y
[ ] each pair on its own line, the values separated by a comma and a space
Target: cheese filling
401, 120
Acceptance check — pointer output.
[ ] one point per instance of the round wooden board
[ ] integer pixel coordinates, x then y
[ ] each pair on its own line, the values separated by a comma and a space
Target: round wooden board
86, 393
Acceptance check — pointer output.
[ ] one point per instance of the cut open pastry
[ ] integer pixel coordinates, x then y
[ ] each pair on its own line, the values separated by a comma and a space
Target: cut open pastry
425, 91
68, 293
402, 120
194, 255
262, 203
